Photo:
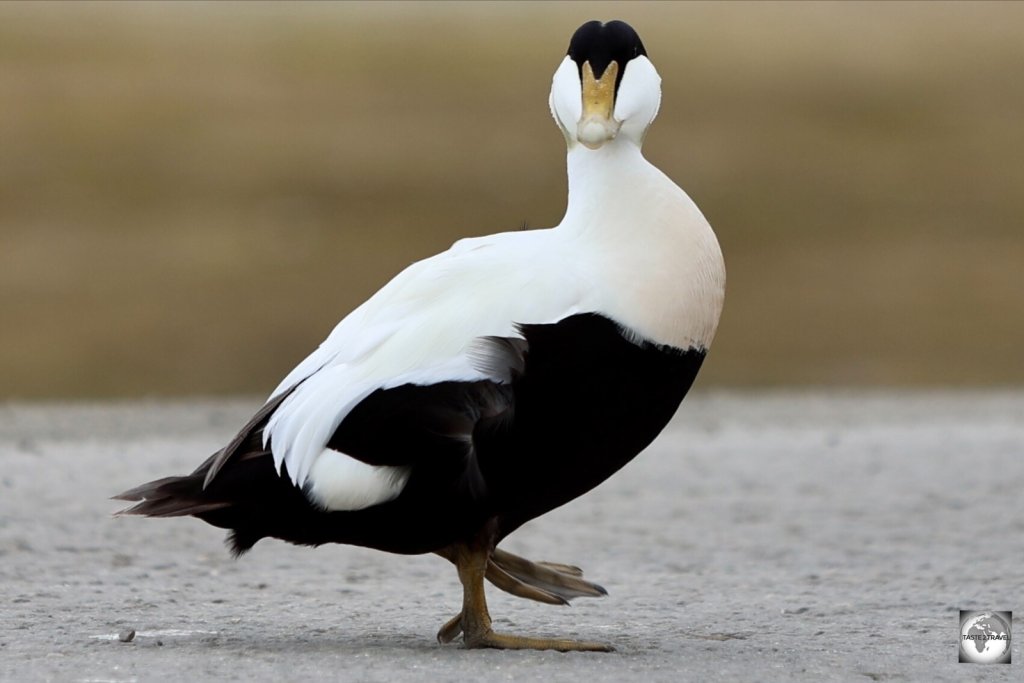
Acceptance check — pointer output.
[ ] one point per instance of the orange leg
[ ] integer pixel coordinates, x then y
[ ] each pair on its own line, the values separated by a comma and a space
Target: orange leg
474, 622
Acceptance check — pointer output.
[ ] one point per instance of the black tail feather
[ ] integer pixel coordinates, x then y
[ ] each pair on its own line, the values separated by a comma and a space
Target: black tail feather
230, 489
169, 497
248, 498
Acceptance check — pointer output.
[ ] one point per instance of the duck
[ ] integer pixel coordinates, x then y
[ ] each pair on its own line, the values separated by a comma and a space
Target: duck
496, 381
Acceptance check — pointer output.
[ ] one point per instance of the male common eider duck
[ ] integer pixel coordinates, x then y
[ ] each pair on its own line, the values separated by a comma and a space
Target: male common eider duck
496, 381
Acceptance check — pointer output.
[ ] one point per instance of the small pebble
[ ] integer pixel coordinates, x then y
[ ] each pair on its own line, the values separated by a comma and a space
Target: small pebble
126, 636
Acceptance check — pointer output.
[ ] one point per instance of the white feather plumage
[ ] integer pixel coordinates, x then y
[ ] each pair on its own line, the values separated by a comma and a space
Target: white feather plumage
632, 247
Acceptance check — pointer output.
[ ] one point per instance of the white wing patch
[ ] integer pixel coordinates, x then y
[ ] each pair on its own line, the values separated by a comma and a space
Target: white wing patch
632, 247
340, 482
423, 327
420, 328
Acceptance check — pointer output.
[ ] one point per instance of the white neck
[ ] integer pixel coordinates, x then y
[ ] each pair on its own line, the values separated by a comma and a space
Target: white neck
650, 243
599, 179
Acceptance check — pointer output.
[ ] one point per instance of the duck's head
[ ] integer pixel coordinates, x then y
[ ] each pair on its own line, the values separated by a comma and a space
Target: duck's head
605, 89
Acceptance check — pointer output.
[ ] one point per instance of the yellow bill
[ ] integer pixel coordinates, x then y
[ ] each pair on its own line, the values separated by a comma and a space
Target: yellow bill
597, 124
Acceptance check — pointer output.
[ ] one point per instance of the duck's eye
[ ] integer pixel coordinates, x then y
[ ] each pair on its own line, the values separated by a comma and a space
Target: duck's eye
601, 52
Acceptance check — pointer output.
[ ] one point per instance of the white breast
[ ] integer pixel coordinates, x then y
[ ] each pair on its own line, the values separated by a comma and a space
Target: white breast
655, 260
632, 247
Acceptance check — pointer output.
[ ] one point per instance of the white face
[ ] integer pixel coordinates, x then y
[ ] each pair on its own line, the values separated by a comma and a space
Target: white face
591, 112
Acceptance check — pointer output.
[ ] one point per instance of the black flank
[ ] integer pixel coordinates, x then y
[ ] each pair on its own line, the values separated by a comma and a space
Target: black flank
577, 401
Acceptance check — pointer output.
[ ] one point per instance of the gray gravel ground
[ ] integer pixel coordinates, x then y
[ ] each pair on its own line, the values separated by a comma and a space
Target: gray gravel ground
783, 536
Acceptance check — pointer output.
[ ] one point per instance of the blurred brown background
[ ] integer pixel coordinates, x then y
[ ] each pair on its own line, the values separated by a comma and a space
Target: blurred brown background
192, 195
